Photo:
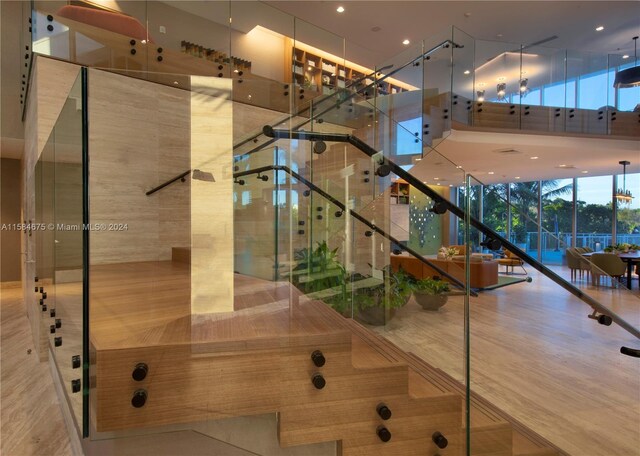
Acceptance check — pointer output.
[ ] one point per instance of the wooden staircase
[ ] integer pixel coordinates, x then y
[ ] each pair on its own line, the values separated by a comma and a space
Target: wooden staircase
258, 360
493, 432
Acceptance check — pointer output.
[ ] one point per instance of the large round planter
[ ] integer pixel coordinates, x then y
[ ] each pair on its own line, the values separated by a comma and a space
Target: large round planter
375, 316
430, 301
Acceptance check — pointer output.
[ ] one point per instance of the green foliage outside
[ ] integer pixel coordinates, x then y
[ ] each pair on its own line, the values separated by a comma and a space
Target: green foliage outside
592, 218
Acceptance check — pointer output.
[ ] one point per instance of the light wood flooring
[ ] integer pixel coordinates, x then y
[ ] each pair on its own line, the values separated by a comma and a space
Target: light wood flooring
32, 423
535, 354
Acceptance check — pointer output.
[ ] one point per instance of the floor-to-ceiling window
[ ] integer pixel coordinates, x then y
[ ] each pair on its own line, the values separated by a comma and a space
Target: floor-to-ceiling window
594, 212
495, 207
557, 216
628, 214
524, 216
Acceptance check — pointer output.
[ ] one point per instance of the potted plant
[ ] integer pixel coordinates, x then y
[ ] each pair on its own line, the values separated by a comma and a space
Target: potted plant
318, 270
377, 305
431, 293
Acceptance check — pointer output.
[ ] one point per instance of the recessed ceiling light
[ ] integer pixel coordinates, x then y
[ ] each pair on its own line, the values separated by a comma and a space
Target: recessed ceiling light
405, 42
501, 78
599, 28
499, 35
436, 178
309, 68
459, 167
584, 172
450, 185
626, 56
517, 177
490, 172
467, 71
534, 158
340, 9
418, 159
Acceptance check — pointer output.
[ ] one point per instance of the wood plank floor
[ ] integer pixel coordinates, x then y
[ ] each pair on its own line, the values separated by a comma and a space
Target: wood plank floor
32, 423
535, 355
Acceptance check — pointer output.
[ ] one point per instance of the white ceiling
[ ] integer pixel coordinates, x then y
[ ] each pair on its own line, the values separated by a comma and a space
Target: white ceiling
481, 153
515, 22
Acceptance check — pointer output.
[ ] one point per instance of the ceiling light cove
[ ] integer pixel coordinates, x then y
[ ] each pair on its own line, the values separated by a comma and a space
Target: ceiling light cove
340, 9
599, 28
405, 42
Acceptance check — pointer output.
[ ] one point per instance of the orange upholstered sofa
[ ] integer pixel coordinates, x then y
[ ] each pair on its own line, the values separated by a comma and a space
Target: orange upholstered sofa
483, 273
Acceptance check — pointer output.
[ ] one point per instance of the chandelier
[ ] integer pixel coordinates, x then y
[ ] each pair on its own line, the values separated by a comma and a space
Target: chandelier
624, 196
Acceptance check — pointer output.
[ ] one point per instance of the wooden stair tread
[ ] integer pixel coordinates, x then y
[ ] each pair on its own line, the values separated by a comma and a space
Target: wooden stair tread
357, 285
425, 380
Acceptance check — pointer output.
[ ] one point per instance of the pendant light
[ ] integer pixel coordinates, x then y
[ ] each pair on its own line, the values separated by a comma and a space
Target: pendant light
631, 76
624, 196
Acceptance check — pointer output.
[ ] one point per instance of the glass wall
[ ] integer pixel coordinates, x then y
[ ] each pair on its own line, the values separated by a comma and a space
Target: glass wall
59, 197
557, 216
594, 212
524, 216
628, 213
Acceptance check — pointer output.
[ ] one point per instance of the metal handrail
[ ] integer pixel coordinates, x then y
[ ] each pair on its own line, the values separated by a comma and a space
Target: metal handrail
180, 176
355, 215
422, 56
457, 211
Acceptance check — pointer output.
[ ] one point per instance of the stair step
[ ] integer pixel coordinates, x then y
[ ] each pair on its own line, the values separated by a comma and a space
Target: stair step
369, 282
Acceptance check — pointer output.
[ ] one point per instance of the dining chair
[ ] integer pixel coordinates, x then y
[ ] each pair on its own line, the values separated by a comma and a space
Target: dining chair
577, 264
606, 264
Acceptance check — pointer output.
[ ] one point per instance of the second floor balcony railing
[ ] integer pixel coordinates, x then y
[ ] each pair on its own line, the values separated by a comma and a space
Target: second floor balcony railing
478, 84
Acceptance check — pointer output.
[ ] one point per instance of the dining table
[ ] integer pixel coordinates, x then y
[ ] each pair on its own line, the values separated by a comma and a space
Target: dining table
630, 258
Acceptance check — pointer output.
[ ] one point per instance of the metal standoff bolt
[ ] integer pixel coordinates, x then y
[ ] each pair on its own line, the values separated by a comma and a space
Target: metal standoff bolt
383, 411
383, 433
318, 358
140, 372
318, 381
139, 398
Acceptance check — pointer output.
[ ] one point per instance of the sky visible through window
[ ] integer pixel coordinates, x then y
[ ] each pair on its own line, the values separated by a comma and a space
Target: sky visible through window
598, 189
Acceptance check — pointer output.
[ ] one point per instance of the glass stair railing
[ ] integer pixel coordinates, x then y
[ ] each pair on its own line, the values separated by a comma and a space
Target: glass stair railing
385, 166
532, 314
333, 208
326, 108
